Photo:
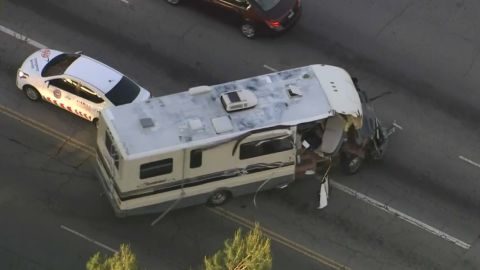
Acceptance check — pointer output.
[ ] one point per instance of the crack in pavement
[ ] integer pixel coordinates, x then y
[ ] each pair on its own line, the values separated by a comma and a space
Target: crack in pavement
68, 174
80, 164
16, 260
395, 17
472, 62
56, 158
184, 34
60, 148
52, 197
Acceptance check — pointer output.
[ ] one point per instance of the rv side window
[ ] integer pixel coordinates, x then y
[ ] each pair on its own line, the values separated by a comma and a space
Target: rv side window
195, 158
156, 168
112, 151
264, 147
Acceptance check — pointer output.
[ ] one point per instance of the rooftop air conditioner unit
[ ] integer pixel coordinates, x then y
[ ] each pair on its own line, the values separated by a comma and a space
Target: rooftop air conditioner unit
238, 100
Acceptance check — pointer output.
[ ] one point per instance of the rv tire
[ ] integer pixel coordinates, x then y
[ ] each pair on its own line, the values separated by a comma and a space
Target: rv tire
350, 164
218, 198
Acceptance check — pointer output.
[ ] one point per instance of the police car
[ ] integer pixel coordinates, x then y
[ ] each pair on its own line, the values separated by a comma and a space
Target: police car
76, 83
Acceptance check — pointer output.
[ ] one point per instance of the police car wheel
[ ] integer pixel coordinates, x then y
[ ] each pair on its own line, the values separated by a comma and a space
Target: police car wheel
32, 93
218, 198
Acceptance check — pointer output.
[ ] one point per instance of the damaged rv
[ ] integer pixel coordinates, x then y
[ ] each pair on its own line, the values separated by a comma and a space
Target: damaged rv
210, 143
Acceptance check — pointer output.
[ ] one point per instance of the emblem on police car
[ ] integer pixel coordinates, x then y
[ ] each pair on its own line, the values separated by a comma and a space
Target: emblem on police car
45, 53
57, 93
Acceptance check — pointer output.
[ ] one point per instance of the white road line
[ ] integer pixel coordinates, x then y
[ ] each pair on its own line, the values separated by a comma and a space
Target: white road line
399, 214
89, 239
270, 68
397, 126
469, 161
125, 1
22, 37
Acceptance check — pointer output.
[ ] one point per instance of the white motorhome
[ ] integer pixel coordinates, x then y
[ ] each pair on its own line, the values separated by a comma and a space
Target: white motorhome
213, 142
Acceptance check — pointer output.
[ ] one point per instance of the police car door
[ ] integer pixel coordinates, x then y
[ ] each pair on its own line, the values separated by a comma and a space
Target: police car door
89, 102
61, 92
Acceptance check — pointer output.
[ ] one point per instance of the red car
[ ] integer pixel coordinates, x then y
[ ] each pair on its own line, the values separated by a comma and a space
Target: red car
275, 15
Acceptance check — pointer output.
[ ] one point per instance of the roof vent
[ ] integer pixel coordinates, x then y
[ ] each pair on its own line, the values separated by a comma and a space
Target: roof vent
222, 124
195, 124
197, 90
146, 122
238, 100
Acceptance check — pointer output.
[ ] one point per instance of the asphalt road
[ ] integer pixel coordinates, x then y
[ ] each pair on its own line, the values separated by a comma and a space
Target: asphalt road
425, 53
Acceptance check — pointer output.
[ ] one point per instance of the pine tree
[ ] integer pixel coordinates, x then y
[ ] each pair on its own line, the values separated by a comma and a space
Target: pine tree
122, 260
250, 252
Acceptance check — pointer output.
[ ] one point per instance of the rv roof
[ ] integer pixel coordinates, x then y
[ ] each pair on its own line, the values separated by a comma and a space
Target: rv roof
184, 120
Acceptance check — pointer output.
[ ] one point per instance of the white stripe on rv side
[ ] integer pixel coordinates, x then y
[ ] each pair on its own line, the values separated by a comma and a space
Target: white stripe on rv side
22, 37
399, 214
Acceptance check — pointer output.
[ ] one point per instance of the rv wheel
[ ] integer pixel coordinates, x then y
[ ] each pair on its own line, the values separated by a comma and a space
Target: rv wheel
350, 163
218, 198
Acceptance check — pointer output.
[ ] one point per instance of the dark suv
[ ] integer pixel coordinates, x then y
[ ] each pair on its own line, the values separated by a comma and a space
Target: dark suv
275, 15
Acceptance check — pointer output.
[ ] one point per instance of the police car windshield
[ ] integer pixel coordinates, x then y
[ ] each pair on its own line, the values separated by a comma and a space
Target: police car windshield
266, 5
59, 64
124, 92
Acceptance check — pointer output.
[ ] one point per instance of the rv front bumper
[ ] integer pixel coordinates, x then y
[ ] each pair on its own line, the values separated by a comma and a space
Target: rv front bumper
108, 188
